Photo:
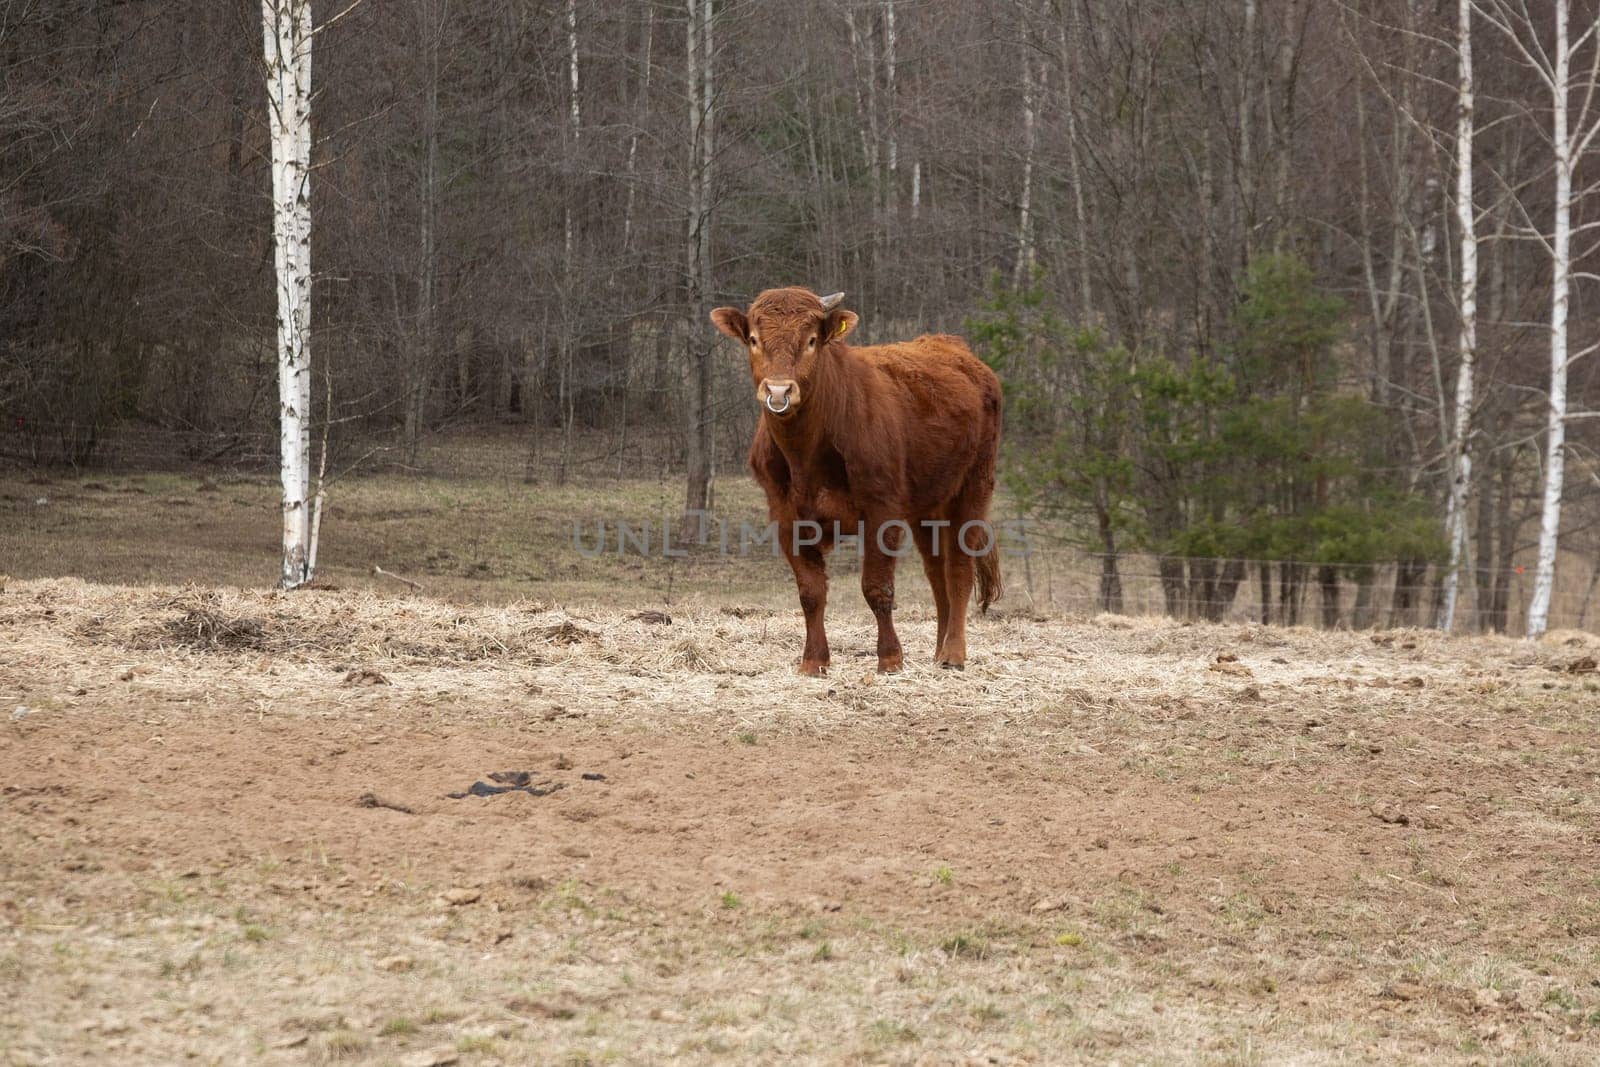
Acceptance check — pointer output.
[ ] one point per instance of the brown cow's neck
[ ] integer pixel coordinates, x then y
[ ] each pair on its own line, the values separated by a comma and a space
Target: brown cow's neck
823, 416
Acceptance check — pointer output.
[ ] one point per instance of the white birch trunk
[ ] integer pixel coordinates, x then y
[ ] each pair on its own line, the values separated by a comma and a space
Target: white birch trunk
1461, 431
286, 26
1022, 270
568, 341
891, 111
1560, 284
1245, 179
691, 271
574, 116
697, 275
633, 140
890, 127
708, 144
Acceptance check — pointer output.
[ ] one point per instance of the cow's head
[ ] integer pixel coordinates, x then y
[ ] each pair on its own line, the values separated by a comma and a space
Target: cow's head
787, 333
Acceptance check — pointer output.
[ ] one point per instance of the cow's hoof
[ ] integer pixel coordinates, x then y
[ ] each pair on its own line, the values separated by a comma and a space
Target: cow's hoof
891, 664
812, 670
951, 665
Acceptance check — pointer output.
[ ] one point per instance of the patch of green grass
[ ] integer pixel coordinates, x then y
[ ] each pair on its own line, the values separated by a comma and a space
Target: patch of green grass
343, 1045
397, 1027
187, 969
730, 900
823, 953
1561, 998
965, 945
475, 1043
256, 934
944, 875
889, 1032
1070, 939
566, 897
746, 737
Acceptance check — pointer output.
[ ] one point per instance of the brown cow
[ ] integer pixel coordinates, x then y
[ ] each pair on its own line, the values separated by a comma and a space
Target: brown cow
889, 440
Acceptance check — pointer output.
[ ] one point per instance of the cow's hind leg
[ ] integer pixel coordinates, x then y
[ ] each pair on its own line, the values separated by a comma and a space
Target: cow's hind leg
969, 537
880, 544
958, 579
933, 567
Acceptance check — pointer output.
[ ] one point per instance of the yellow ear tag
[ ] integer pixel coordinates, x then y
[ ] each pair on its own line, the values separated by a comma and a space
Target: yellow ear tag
842, 329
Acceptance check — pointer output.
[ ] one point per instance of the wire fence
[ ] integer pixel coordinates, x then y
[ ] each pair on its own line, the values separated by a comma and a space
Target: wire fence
1045, 567
1384, 595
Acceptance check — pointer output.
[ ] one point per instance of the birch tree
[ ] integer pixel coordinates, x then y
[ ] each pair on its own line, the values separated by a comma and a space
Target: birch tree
287, 35
1560, 286
700, 415
568, 342
1022, 269
1570, 137
1461, 424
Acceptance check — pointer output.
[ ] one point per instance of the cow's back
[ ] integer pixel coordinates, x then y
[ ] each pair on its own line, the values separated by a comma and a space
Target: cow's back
940, 378
948, 409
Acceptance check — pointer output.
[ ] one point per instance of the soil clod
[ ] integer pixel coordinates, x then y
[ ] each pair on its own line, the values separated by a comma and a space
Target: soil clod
507, 782
373, 800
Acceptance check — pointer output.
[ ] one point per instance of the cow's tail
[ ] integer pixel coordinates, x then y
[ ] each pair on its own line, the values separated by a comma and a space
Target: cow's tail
990, 587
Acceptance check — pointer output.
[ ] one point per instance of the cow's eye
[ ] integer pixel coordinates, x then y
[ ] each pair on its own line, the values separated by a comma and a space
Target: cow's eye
755, 342
812, 343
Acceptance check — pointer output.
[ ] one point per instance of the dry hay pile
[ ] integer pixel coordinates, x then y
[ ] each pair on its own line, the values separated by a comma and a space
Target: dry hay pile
319, 623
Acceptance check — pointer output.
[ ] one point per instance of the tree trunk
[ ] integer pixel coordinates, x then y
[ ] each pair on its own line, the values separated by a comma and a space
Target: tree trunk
1461, 429
1361, 613
641, 108
1483, 551
1264, 575
1409, 576
287, 37
1202, 588
1172, 584
1328, 585
1080, 219
1022, 269
1110, 579
1289, 593
700, 417
1505, 547
1233, 573
1560, 282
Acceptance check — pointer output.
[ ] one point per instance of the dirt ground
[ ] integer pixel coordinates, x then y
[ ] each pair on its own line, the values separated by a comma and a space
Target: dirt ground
226, 836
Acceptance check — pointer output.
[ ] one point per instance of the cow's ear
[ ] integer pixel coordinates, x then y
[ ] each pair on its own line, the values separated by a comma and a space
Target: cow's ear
732, 322
840, 323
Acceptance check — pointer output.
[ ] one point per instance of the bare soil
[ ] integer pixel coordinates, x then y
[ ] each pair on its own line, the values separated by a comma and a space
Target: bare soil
226, 835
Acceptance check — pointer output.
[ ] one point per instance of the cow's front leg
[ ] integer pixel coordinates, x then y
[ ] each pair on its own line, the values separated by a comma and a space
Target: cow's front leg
880, 544
811, 579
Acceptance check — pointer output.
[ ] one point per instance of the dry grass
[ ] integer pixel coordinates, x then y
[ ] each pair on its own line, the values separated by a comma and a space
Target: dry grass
1022, 664
1108, 839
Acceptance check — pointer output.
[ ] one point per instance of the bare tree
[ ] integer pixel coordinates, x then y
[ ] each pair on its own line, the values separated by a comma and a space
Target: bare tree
700, 426
287, 35
1570, 137
1456, 504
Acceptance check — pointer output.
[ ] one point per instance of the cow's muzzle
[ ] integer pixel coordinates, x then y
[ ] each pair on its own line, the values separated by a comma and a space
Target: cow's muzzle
779, 395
